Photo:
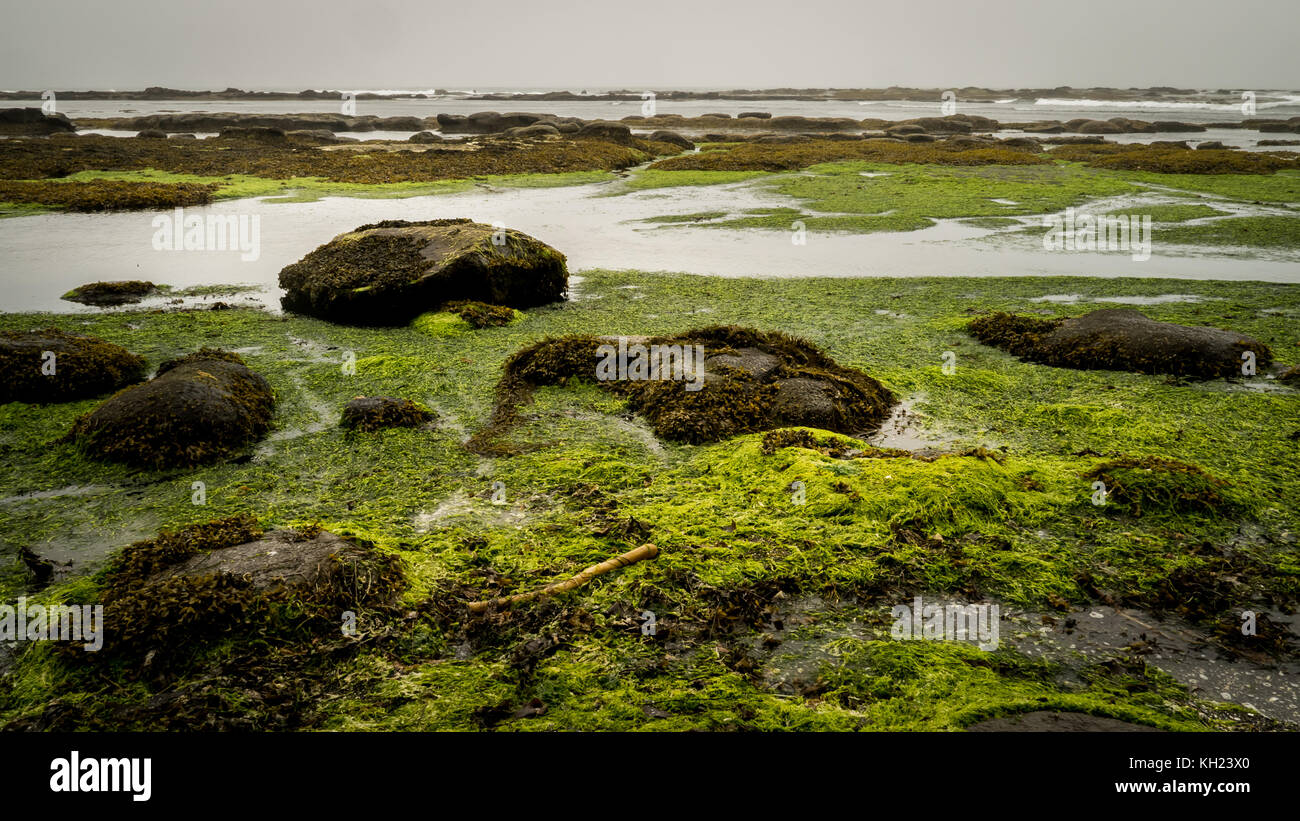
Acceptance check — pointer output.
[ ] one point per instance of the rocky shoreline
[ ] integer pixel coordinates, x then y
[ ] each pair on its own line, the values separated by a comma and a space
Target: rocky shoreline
969, 94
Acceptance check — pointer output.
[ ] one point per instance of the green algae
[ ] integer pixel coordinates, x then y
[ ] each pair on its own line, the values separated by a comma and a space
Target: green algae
589, 483
1239, 232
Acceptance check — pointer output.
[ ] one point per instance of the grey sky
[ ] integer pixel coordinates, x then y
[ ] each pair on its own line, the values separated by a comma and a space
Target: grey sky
346, 44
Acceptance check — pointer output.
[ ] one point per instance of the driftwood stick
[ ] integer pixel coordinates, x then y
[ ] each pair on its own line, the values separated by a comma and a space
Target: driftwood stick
645, 551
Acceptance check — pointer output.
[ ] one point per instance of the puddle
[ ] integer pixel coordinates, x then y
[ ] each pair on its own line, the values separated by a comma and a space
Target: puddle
1179, 649
905, 430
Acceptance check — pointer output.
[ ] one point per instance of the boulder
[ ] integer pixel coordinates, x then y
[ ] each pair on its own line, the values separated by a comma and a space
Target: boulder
601, 130
734, 381
389, 272
757, 115
671, 137
152, 134
32, 122
227, 579
182, 137
107, 294
534, 130
371, 413
261, 134
199, 408
424, 137
80, 366
1174, 125
317, 135
1122, 339
1213, 144
1099, 127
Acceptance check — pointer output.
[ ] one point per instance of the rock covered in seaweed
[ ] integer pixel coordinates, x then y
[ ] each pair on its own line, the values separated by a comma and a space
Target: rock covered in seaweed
168, 594
53, 366
1122, 339
371, 413
732, 381
199, 408
111, 293
389, 272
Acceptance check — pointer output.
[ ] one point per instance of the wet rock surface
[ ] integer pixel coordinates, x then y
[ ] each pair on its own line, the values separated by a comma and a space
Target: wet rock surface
54, 366
389, 272
108, 294
1122, 339
200, 408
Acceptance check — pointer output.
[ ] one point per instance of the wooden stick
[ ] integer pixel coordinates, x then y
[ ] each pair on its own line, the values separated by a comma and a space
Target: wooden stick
645, 551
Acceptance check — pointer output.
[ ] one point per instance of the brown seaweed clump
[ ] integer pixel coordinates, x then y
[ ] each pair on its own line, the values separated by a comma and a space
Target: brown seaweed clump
371, 413
53, 366
1166, 159
106, 195
389, 272
744, 381
1152, 484
199, 408
111, 293
1122, 339
170, 595
481, 314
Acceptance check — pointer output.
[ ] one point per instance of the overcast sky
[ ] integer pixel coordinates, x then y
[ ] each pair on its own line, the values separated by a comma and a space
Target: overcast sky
580, 44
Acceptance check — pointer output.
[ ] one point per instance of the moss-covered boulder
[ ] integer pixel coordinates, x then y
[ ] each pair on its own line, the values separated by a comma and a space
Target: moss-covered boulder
107, 294
200, 408
389, 272
732, 381
53, 366
227, 578
371, 413
1122, 339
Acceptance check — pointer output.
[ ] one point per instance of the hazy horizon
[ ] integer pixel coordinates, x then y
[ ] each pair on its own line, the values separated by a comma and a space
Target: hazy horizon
297, 45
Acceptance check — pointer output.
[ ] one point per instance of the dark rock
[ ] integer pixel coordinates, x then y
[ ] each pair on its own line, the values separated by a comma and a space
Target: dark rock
1099, 127
1176, 126
152, 134
82, 366
389, 272
261, 134
671, 137
758, 115
199, 408
111, 293
424, 137
1213, 144
32, 122
1122, 339
535, 130
612, 132
225, 578
749, 381
372, 413
182, 136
